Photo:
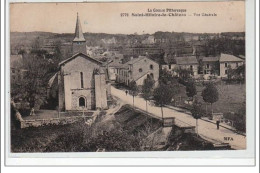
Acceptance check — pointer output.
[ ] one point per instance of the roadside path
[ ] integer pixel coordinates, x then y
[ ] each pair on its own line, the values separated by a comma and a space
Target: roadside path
206, 129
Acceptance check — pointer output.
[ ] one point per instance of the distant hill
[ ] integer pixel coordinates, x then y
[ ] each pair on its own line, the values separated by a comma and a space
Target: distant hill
25, 40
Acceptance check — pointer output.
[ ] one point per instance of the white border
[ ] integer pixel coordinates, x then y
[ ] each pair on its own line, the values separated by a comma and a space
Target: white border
243, 157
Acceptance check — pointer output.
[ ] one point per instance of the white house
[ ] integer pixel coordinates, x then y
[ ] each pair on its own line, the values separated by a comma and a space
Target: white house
227, 61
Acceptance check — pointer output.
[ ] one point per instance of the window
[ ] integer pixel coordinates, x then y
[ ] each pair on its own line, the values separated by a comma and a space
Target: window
13, 71
191, 67
140, 70
82, 102
151, 75
225, 71
81, 80
170, 66
151, 67
225, 64
207, 65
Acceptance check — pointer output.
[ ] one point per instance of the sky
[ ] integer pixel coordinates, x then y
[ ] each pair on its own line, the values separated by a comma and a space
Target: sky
106, 17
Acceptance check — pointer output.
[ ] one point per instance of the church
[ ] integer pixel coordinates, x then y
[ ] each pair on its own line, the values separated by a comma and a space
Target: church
82, 81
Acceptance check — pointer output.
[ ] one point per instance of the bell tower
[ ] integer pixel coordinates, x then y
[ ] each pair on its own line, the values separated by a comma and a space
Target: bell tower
79, 42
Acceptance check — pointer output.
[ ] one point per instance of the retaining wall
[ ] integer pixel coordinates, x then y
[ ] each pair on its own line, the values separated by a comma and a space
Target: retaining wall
55, 121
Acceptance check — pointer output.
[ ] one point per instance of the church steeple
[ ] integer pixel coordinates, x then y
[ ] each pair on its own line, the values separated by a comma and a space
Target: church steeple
78, 31
79, 42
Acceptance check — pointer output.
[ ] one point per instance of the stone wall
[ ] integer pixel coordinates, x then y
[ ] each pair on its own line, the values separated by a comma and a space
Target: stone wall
54, 121
100, 91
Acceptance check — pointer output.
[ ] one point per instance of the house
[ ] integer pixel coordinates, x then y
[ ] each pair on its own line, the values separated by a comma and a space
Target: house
168, 62
113, 69
227, 61
210, 65
138, 69
188, 63
82, 80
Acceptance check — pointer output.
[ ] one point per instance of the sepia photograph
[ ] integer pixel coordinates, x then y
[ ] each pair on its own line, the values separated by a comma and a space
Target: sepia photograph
127, 77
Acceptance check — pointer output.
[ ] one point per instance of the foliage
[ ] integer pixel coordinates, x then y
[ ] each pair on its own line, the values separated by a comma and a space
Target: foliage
32, 89
184, 75
196, 110
147, 88
239, 73
230, 73
210, 93
163, 95
191, 90
133, 88
38, 67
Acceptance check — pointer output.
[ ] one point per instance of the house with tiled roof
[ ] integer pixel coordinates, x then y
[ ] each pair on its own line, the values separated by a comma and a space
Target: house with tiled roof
138, 69
210, 65
187, 62
229, 61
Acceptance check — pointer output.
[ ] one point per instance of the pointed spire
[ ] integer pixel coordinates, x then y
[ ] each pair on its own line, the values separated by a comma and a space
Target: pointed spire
78, 31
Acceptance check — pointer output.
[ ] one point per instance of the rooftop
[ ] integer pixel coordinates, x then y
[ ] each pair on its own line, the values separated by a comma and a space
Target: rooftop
78, 31
186, 60
229, 58
210, 59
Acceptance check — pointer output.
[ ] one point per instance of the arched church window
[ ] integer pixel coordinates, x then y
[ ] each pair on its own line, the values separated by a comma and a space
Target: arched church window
81, 80
82, 102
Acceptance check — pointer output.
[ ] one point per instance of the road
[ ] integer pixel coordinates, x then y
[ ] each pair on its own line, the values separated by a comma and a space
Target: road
206, 130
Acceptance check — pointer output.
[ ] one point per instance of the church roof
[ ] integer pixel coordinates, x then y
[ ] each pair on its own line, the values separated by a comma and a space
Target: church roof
78, 31
80, 54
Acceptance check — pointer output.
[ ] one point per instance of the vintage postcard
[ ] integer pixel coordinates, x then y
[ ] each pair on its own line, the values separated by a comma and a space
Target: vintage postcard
134, 77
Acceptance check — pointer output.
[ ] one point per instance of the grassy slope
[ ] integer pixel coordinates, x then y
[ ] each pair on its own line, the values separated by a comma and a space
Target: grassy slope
231, 97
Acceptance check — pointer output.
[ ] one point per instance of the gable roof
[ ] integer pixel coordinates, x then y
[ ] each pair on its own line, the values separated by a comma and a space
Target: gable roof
229, 58
210, 59
114, 63
186, 60
80, 54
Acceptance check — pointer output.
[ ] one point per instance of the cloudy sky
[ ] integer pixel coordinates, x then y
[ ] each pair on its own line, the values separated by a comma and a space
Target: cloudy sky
106, 18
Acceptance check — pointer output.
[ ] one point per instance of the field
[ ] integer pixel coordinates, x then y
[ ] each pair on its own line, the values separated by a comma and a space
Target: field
231, 98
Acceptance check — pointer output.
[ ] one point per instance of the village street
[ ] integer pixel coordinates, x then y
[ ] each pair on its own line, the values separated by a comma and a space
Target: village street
206, 129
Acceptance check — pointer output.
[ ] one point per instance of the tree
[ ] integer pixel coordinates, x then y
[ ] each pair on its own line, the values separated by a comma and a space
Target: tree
163, 95
133, 90
230, 73
191, 89
210, 94
147, 88
240, 72
184, 74
196, 112
32, 89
